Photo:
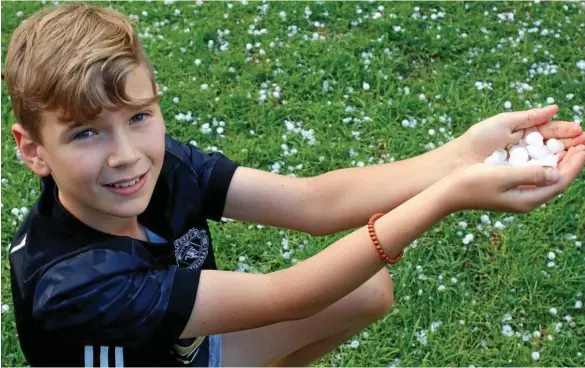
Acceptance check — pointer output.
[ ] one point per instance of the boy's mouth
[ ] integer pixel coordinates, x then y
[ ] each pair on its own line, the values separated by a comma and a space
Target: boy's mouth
127, 186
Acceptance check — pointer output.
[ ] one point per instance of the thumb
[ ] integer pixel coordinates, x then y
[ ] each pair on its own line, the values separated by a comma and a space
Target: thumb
530, 175
526, 119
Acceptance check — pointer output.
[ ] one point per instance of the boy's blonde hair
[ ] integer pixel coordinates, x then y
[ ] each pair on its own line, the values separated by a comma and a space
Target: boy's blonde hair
72, 59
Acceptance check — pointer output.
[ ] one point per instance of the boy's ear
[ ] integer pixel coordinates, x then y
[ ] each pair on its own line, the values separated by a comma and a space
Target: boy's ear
29, 150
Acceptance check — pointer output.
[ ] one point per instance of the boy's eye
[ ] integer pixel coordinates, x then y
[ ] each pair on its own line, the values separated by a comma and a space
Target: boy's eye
83, 135
138, 118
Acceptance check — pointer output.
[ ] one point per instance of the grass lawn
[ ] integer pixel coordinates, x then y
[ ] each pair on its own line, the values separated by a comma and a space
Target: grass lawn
365, 83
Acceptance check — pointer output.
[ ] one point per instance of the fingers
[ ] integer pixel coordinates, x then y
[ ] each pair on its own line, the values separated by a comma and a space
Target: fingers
513, 177
559, 129
570, 142
526, 119
527, 131
573, 163
529, 198
566, 156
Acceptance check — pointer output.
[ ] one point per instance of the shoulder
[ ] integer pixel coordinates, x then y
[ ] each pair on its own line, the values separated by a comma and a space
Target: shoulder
199, 162
194, 179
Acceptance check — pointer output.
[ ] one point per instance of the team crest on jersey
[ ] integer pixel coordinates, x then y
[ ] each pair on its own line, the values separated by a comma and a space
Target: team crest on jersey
191, 249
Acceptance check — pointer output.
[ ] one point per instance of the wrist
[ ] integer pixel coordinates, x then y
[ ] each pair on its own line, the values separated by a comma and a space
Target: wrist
445, 194
455, 152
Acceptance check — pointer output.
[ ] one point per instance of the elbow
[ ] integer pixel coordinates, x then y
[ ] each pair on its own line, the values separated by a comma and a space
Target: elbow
297, 312
318, 223
287, 300
316, 216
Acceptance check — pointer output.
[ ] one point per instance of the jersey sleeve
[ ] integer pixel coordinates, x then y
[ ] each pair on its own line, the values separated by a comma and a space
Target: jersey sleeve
214, 172
114, 297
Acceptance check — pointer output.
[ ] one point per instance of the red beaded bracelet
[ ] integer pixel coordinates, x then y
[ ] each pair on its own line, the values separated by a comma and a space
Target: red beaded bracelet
372, 232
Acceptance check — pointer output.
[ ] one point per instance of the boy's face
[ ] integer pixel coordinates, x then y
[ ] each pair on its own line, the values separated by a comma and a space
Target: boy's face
107, 169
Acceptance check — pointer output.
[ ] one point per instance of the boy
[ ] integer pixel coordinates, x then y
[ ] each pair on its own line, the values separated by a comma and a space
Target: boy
115, 265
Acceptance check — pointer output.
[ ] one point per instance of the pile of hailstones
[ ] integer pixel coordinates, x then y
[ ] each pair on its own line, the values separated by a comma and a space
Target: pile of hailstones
531, 151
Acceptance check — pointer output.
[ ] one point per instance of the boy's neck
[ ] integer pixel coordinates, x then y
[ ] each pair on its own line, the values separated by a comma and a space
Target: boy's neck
106, 223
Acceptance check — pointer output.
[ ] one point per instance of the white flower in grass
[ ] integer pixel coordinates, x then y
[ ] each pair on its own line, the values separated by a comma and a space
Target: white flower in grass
355, 344
5, 308
366, 86
553, 311
578, 304
535, 355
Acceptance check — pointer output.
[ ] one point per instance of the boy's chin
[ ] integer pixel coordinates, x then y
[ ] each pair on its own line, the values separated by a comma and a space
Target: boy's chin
129, 210
128, 214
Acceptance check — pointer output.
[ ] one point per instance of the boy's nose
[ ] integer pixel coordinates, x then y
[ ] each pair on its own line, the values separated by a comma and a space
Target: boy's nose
123, 153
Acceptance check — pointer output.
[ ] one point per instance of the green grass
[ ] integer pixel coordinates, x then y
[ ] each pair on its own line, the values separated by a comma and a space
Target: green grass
501, 272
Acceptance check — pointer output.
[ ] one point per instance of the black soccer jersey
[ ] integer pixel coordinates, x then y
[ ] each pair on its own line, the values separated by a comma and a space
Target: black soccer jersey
83, 297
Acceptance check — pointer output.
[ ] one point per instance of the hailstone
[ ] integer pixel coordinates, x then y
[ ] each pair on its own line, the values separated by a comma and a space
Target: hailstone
534, 139
555, 146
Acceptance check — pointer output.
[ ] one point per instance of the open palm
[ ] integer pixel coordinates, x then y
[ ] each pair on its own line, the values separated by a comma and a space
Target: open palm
482, 139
